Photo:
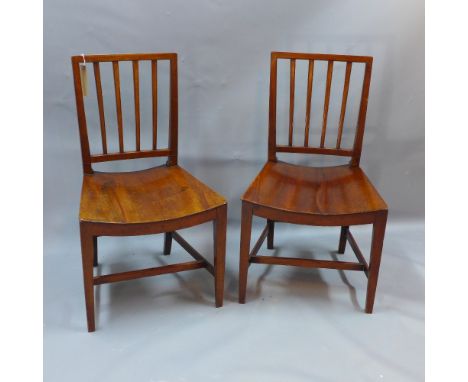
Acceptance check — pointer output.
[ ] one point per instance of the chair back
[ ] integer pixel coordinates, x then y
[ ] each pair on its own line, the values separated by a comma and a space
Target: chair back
306, 146
124, 151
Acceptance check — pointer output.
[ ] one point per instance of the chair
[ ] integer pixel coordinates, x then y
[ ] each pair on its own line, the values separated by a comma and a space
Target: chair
322, 196
161, 199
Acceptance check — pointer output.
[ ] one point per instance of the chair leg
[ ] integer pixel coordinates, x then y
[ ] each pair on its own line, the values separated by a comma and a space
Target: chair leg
342, 244
167, 243
219, 238
95, 251
246, 228
87, 255
271, 234
378, 233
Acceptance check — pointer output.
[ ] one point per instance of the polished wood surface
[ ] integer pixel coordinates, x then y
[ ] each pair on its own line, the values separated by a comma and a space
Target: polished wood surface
318, 147
100, 100
153, 195
326, 103
136, 96
310, 82
118, 103
344, 100
154, 91
323, 196
314, 190
126, 151
321, 57
292, 87
161, 199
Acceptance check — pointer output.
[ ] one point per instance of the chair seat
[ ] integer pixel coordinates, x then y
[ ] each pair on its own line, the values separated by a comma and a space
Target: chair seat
335, 190
157, 194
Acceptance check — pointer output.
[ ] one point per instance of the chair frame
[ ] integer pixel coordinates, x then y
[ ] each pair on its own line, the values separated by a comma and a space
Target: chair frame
90, 231
377, 218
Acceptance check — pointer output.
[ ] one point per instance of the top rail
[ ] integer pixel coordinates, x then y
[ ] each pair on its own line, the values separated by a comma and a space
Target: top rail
124, 57
322, 57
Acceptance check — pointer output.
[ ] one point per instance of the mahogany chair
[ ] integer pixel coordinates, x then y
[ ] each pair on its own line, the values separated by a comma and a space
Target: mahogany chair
321, 196
161, 199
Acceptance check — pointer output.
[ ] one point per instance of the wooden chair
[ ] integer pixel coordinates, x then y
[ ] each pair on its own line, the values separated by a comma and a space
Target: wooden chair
321, 196
156, 200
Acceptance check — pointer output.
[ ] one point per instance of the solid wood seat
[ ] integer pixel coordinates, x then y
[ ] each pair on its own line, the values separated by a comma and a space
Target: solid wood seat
335, 190
157, 194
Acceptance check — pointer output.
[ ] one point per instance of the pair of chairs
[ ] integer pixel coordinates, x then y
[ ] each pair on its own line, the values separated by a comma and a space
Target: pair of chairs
167, 198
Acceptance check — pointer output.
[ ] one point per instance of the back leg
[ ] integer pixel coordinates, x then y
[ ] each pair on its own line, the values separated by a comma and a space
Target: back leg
95, 245
271, 234
343, 235
167, 243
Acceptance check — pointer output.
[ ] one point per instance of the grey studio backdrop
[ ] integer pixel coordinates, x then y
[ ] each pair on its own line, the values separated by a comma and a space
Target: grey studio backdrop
224, 50
224, 56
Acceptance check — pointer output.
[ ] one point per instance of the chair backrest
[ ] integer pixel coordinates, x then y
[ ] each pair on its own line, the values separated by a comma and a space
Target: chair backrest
170, 151
355, 152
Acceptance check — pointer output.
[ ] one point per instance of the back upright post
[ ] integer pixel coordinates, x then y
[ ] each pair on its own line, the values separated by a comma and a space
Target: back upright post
361, 124
272, 112
174, 117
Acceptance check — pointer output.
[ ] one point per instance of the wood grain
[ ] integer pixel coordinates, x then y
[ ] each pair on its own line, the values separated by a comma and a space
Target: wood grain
246, 232
272, 110
118, 104
357, 147
322, 196
292, 86
156, 200
355, 151
357, 252
102, 119
219, 238
314, 190
310, 81
326, 103
124, 57
81, 116
157, 194
378, 234
259, 242
130, 155
174, 115
170, 151
344, 100
154, 93
136, 93
318, 57
314, 150
155, 271
307, 263
192, 251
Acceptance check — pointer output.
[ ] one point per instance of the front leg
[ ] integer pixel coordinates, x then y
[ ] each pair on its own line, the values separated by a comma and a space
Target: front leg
219, 238
378, 233
246, 232
87, 256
